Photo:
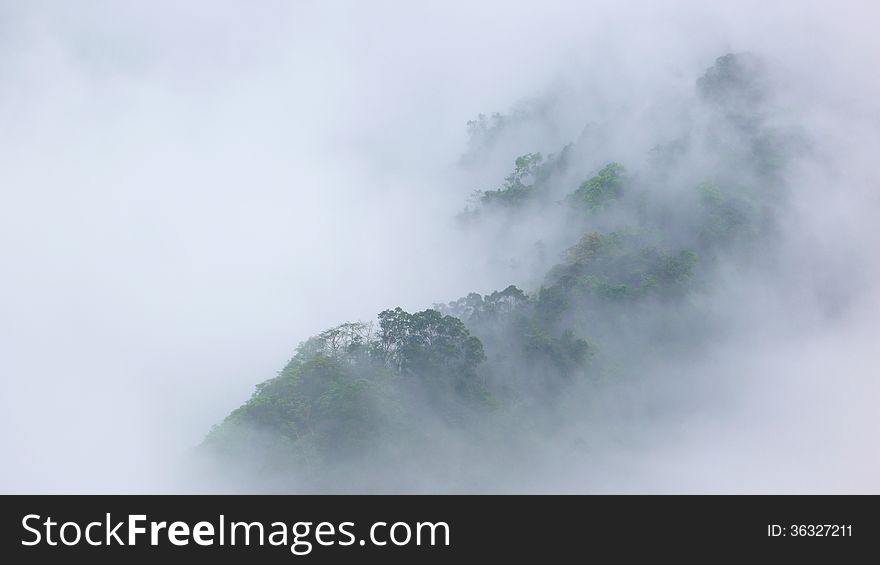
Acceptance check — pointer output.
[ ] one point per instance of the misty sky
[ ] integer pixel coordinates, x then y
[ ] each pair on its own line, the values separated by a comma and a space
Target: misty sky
189, 189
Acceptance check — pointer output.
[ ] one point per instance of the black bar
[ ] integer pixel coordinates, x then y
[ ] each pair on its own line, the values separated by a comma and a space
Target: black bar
519, 528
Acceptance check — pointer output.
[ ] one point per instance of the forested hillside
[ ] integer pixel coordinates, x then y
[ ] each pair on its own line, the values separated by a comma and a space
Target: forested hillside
470, 389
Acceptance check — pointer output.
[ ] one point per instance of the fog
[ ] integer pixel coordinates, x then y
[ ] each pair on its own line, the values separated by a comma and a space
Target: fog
189, 190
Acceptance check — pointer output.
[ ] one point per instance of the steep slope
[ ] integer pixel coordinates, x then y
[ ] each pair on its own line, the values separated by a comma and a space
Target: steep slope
452, 397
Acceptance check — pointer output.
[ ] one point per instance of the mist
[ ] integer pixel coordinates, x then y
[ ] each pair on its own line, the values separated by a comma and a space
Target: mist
190, 191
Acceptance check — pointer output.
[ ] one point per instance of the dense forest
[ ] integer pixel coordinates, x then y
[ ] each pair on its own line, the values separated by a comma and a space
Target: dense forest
454, 396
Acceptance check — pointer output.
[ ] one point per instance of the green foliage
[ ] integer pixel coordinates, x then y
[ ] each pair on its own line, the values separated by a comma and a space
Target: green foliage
348, 386
601, 190
427, 344
347, 341
602, 287
567, 353
515, 191
726, 218
619, 266
477, 309
318, 406
593, 245
735, 77
552, 302
351, 388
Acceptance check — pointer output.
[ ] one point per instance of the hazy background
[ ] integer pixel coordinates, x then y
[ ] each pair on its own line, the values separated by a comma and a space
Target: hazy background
189, 189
